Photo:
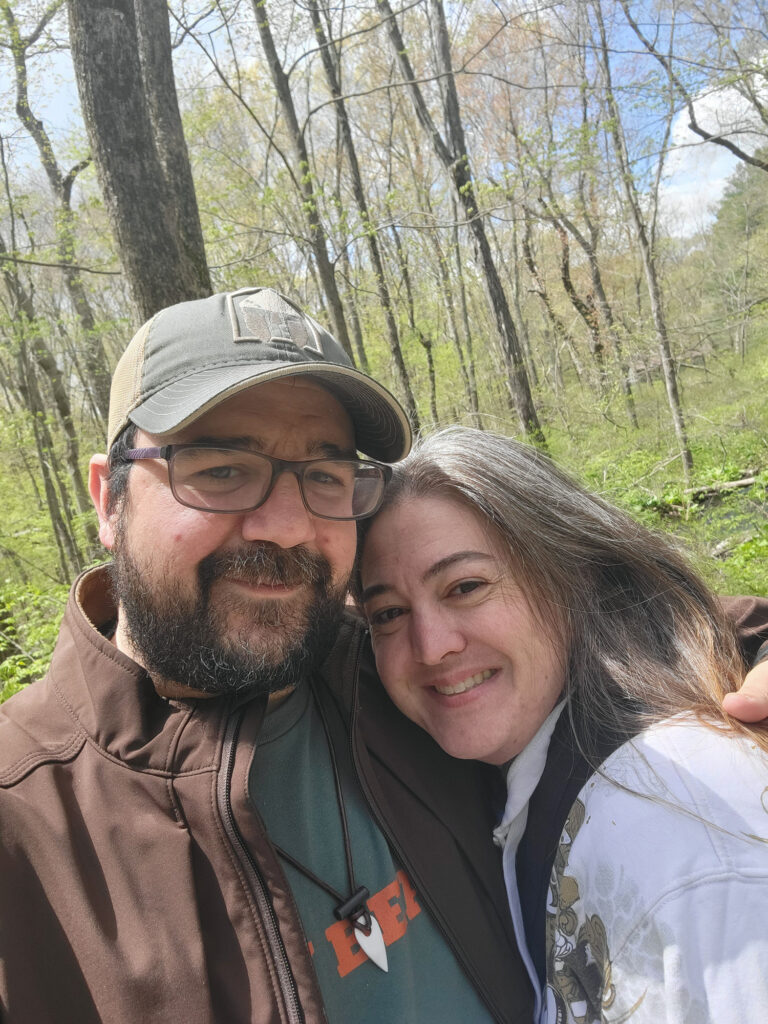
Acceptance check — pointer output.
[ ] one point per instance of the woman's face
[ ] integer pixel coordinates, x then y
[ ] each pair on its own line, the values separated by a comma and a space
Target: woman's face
457, 645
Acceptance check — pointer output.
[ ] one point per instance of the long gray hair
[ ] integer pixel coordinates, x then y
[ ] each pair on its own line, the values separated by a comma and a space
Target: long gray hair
644, 636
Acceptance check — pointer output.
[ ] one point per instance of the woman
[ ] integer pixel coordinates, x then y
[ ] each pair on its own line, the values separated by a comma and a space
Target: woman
516, 616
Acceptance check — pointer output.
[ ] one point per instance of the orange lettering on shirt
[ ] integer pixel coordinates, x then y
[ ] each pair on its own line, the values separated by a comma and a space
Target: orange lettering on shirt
386, 908
348, 953
412, 908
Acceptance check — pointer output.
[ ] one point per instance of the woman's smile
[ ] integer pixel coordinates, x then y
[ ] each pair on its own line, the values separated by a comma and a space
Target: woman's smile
465, 685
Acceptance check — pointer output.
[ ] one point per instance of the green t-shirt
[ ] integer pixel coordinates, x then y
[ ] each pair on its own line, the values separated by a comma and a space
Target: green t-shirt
291, 783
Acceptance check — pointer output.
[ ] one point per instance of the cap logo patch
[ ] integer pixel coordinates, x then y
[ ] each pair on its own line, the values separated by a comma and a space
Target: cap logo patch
281, 327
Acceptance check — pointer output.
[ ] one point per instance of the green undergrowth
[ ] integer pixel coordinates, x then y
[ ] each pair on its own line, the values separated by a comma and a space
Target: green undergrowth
725, 531
29, 623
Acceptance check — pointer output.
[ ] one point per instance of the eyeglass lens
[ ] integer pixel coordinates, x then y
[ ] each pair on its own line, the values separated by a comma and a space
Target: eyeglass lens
226, 480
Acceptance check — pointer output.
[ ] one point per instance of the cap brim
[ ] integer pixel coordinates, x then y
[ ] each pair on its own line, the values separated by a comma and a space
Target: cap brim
381, 426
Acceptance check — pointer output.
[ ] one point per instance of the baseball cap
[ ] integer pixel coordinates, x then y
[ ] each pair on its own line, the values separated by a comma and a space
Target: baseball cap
191, 356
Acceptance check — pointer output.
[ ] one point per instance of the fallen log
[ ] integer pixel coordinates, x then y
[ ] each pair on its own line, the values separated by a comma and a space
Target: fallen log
714, 489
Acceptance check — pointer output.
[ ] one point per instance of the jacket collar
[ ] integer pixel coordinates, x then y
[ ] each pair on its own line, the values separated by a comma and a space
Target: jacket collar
112, 699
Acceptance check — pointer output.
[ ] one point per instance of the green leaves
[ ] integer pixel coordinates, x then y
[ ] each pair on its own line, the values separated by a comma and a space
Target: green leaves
29, 623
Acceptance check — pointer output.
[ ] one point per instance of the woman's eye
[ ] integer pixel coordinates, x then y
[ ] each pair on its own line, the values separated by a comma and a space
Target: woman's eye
467, 587
385, 616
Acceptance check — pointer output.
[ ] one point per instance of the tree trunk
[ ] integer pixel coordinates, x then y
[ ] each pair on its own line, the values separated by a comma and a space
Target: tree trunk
303, 178
421, 337
513, 275
474, 400
606, 314
585, 309
445, 283
155, 56
560, 331
455, 160
426, 344
145, 213
98, 382
36, 354
522, 334
331, 66
446, 288
70, 558
353, 316
647, 256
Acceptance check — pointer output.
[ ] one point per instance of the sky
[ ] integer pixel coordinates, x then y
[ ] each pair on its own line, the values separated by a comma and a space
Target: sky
697, 172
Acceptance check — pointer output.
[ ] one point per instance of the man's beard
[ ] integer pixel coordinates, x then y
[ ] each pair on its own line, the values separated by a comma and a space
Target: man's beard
185, 638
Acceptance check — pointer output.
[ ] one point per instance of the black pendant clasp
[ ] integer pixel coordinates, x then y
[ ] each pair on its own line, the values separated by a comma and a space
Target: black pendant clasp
355, 910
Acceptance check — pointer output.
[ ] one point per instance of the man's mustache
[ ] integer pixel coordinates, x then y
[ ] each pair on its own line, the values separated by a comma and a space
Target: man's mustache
266, 564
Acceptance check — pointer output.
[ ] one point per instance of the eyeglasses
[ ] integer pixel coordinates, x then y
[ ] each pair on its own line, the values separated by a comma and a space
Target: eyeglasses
218, 479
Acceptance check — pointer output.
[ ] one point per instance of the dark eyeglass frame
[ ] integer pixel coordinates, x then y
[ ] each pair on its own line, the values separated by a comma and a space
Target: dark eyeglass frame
279, 466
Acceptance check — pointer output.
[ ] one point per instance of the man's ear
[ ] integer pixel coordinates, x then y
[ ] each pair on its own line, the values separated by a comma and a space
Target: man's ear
98, 485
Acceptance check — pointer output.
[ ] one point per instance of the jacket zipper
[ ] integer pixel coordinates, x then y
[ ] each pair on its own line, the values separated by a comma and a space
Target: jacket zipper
422, 889
258, 886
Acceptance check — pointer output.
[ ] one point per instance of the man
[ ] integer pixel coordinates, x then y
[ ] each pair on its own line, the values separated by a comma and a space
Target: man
208, 809
137, 881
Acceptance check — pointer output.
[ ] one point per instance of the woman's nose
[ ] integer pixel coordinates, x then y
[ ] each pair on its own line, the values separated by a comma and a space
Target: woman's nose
434, 636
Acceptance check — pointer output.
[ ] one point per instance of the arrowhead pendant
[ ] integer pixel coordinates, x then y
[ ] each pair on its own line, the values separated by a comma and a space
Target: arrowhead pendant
372, 944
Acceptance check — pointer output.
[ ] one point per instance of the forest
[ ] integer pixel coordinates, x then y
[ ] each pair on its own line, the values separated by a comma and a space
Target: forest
548, 219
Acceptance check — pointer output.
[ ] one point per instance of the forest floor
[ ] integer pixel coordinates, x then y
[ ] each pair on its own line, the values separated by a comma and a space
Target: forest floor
722, 515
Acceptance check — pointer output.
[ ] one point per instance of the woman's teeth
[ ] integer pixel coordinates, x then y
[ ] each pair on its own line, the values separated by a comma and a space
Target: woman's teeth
467, 684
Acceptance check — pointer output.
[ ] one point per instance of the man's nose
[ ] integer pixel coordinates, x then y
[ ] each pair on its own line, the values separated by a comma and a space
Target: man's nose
435, 634
283, 519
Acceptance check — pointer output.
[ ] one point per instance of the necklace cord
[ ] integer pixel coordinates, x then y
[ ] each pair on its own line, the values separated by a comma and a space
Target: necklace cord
353, 908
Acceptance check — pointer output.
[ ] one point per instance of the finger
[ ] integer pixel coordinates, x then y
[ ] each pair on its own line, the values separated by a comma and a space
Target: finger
750, 703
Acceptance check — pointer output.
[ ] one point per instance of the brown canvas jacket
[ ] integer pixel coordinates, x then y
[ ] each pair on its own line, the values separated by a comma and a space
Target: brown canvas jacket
136, 881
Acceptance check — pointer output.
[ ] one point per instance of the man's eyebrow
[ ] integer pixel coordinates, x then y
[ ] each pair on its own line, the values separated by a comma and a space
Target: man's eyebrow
315, 449
226, 442
376, 589
332, 451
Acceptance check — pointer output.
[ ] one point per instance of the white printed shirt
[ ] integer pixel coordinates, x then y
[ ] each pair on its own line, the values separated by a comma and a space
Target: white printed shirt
658, 903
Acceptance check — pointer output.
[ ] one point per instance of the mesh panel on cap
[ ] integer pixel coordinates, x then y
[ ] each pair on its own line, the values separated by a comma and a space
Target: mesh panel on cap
126, 383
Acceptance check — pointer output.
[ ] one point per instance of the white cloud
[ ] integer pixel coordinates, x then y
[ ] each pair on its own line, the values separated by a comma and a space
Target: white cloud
696, 171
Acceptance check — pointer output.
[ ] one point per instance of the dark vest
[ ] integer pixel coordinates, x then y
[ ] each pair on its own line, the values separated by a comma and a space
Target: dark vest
565, 773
